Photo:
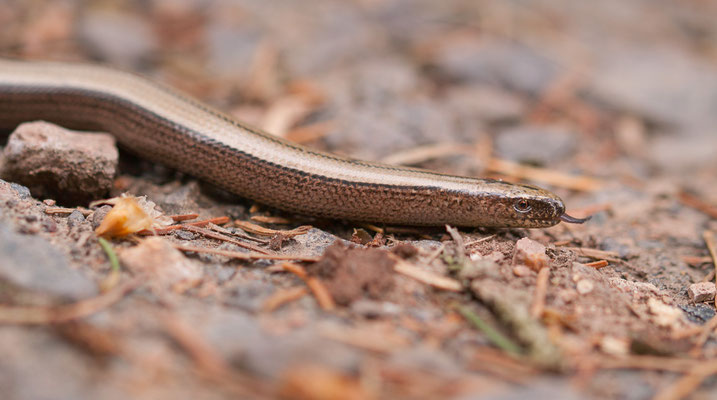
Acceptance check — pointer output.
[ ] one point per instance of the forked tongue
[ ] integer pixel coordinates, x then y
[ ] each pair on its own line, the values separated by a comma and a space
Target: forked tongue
573, 220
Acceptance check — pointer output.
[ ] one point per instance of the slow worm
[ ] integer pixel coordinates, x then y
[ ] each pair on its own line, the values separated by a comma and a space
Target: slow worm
163, 125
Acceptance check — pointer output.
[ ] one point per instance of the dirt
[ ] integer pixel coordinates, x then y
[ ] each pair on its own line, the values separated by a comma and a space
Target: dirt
610, 105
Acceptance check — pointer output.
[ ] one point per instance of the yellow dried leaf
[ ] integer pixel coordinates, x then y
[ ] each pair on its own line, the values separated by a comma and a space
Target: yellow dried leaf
126, 217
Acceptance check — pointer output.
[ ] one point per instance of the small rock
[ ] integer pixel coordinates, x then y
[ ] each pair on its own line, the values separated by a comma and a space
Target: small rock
166, 266
75, 218
535, 144
73, 167
584, 286
22, 191
32, 263
701, 292
698, 313
531, 254
614, 346
98, 215
49, 225
521, 271
184, 235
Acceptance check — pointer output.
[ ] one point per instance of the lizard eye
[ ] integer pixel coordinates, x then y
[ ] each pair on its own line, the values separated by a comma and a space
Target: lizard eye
522, 206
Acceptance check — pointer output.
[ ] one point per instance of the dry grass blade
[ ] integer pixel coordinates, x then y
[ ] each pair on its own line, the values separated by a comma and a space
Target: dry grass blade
262, 231
594, 253
169, 229
427, 277
322, 295
283, 296
223, 238
63, 210
30, 315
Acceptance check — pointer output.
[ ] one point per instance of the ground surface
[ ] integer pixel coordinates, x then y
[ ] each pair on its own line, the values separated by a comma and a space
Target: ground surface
613, 103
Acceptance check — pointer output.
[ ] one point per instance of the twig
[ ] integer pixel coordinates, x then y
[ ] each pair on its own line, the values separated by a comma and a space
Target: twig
541, 290
183, 217
491, 333
63, 210
594, 253
427, 277
246, 256
597, 264
709, 238
223, 238
322, 295
698, 204
30, 315
283, 296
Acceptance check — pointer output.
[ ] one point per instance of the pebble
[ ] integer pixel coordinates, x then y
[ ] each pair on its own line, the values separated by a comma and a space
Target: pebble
75, 218
33, 263
584, 286
530, 253
521, 271
701, 292
21, 190
98, 215
534, 144
74, 167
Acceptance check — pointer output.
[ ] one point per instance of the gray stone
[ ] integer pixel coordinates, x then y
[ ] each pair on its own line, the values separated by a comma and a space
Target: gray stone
32, 263
535, 144
75, 218
70, 166
21, 190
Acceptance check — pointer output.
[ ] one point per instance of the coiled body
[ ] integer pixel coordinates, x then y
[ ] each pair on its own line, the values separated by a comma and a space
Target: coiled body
162, 125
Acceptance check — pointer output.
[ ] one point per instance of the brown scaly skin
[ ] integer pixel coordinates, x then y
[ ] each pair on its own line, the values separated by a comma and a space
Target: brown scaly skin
161, 125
